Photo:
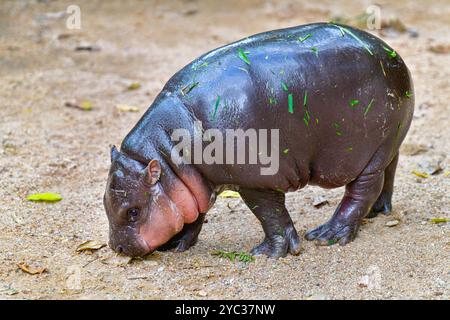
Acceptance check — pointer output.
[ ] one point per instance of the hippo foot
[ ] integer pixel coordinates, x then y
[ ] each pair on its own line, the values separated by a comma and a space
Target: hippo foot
382, 205
279, 246
180, 244
332, 232
185, 244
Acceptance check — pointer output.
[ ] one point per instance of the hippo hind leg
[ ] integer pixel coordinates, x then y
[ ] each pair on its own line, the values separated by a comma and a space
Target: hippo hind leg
187, 237
281, 237
360, 196
384, 201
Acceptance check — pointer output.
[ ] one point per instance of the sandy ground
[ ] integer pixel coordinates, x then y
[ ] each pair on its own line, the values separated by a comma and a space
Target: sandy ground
47, 147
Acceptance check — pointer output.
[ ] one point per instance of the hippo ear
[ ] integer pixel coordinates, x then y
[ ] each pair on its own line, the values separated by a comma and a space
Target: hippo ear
153, 172
114, 153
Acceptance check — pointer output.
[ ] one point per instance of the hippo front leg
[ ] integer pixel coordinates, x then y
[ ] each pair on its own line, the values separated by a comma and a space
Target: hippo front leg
187, 237
280, 235
360, 196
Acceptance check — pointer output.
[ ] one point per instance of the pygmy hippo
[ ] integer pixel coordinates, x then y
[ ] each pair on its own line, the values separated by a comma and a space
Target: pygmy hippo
337, 102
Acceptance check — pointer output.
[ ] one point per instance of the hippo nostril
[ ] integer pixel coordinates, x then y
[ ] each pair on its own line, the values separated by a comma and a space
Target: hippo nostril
119, 249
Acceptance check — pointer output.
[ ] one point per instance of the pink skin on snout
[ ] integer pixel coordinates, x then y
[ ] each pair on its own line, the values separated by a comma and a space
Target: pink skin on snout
168, 213
164, 220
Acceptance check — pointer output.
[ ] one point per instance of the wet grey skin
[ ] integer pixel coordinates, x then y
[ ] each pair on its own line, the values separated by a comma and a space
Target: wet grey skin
342, 100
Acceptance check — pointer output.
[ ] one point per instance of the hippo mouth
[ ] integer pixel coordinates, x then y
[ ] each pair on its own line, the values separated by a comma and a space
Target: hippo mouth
144, 245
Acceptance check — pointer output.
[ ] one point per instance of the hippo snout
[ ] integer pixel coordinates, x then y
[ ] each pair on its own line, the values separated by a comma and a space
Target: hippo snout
128, 244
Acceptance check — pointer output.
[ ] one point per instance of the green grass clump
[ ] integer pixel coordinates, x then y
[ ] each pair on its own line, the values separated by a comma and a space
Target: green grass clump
233, 256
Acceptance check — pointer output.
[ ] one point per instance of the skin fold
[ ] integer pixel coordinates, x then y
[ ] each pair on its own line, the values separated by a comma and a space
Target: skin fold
342, 100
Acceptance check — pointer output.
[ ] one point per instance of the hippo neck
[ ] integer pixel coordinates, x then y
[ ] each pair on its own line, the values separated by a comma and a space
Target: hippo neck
150, 139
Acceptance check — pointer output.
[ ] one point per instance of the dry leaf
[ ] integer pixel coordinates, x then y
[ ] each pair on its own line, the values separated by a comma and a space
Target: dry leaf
202, 293
152, 256
127, 108
318, 296
30, 269
363, 282
118, 260
420, 174
412, 149
394, 24
90, 245
7, 289
85, 105
229, 194
392, 223
440, 48
84, 46
439, 220
319, 202
431, 165
134, 86
46, 197
9, 147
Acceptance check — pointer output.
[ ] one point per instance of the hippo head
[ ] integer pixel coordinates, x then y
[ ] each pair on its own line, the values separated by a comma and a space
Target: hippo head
142, 216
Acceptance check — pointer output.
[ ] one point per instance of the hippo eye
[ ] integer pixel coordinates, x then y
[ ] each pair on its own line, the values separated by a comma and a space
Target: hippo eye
133, 214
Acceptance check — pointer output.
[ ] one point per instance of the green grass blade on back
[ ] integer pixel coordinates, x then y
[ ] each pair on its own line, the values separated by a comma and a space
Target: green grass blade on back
243, 56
